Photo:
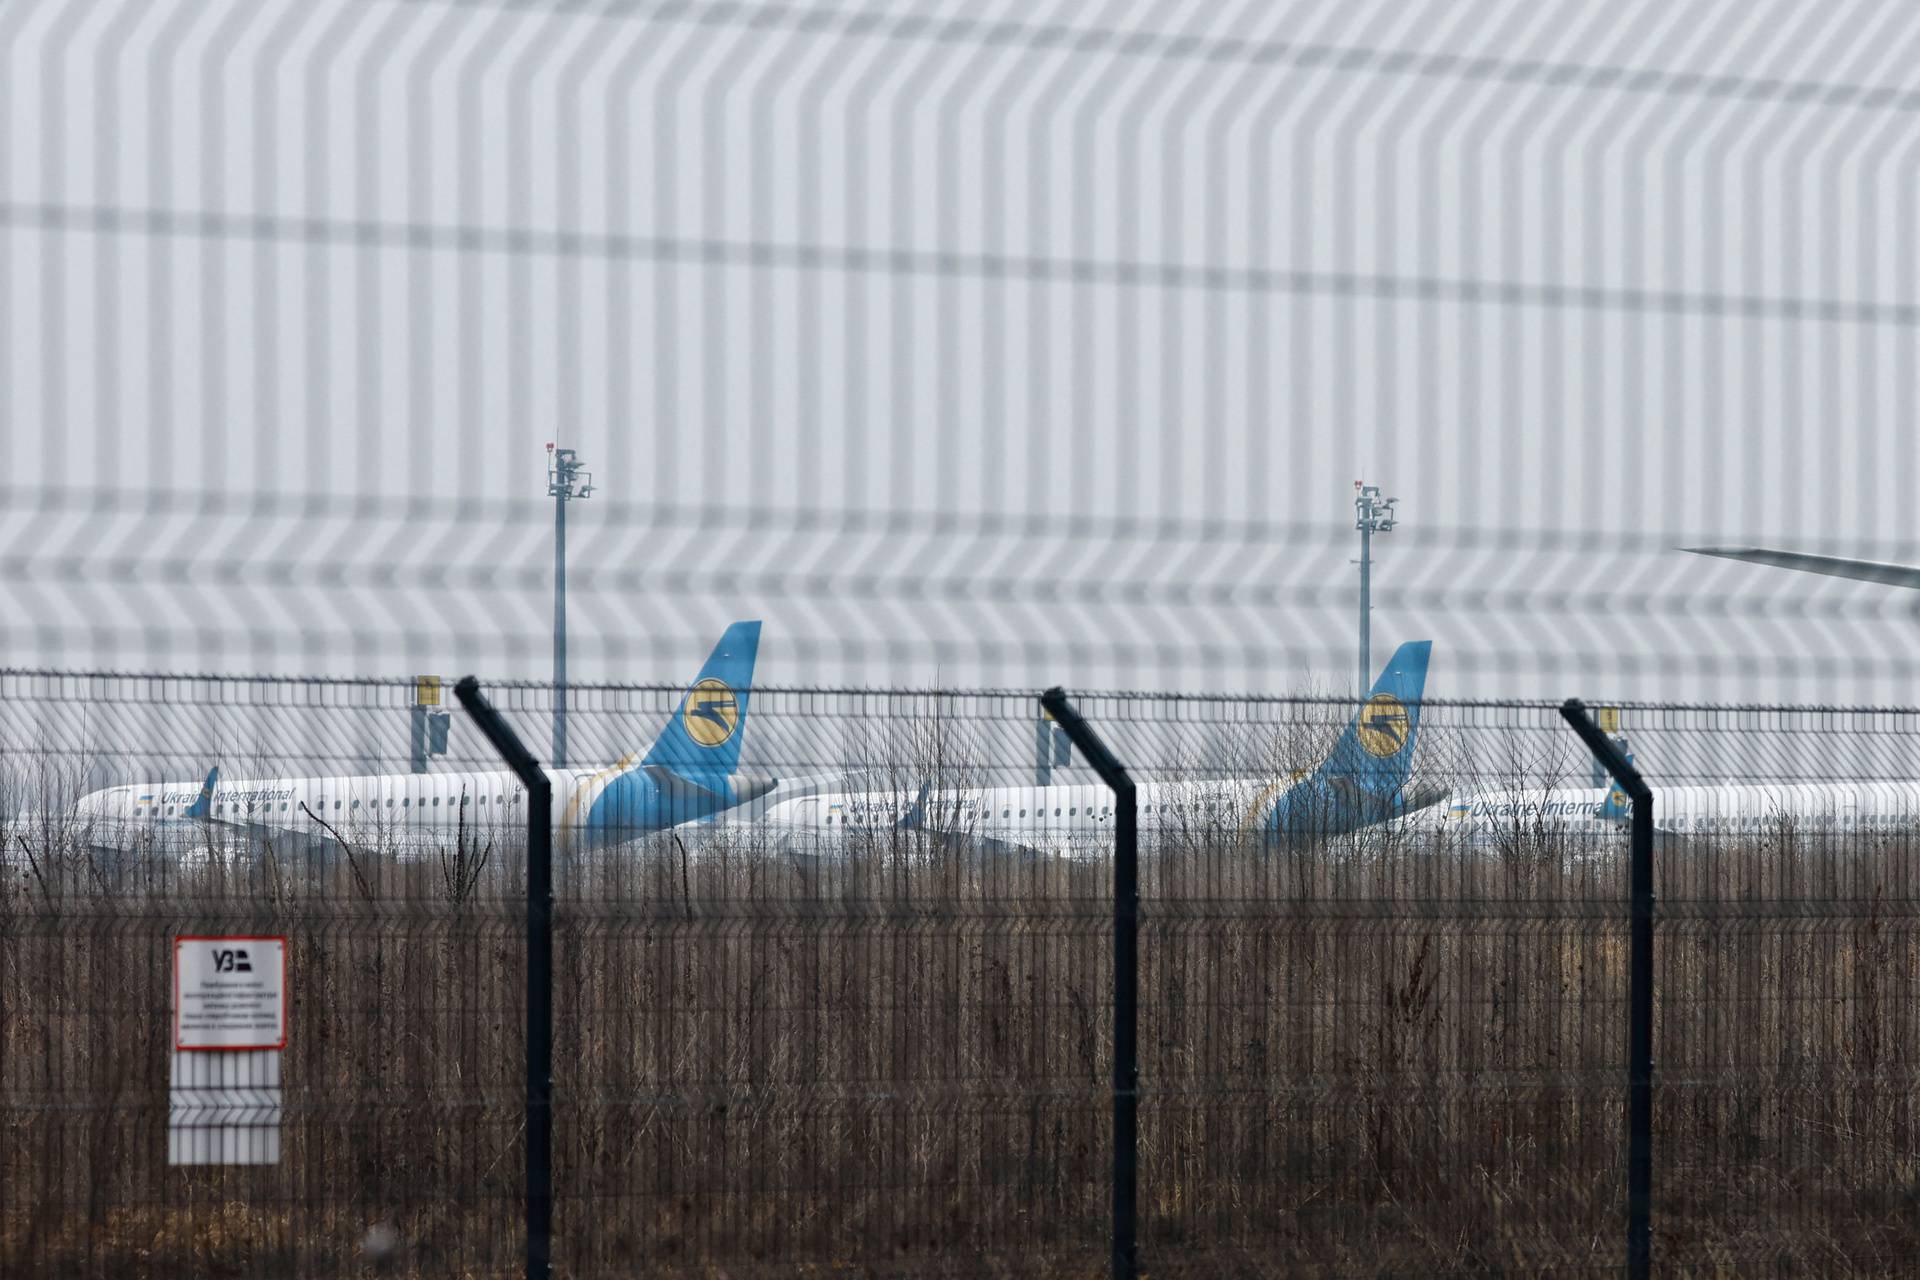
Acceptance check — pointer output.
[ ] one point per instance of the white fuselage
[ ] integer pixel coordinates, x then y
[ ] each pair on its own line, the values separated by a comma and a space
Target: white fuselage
361, 805
1729, 810
413, 809
1061, 819
374, 810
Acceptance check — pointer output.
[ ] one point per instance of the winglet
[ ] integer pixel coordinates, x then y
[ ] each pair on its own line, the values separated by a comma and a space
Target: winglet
202, 806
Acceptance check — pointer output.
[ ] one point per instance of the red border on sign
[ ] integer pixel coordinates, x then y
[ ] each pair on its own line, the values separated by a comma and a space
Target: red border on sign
286, 1014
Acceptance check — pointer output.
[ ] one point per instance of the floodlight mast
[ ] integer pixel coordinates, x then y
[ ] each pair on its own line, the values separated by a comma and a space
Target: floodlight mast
567, 479
1372, 514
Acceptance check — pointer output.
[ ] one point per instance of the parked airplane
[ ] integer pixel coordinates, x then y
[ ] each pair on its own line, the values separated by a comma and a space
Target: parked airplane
1733, 809
1362, 781
690, 772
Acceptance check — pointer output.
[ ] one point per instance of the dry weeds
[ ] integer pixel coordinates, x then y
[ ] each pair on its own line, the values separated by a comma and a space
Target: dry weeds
1360, 1058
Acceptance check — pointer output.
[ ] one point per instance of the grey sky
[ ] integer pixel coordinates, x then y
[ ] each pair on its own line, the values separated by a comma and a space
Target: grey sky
977, 343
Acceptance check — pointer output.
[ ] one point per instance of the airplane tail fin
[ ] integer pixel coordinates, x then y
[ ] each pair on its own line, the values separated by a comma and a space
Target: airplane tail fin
707, 729
1370, 763
1617, 807
202, 805
915, 818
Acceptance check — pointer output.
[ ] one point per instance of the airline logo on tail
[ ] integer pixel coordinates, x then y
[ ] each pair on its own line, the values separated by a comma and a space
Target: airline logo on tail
1383, 727
712, 713
690, 771
1360, 781
1618, 805
704, 736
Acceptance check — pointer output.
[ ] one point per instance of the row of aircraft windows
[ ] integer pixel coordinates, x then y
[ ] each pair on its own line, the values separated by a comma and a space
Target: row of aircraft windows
1106, 811
406, 802
1705, 823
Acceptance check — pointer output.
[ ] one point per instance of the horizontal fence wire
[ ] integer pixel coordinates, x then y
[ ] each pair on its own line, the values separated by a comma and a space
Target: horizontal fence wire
862, 1018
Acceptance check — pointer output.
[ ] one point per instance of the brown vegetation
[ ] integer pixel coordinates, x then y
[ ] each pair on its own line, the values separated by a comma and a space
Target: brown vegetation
1363, 1057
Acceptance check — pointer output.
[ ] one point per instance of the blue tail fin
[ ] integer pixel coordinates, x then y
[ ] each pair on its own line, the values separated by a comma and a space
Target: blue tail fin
915, 818
202, 805
706, 731
1617, 807
1371, 761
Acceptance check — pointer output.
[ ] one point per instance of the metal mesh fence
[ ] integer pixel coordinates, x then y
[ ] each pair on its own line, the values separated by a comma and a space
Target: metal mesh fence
863, 1020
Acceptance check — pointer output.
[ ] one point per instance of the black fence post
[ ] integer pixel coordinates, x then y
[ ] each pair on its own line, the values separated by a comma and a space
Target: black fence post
1126, 974
1639, 989
539, 972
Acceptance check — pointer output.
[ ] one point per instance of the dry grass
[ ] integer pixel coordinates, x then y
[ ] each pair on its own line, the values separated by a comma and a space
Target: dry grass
1365, 1057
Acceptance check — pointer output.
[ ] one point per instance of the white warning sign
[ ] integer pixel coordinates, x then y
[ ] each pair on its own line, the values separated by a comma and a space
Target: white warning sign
229, 993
